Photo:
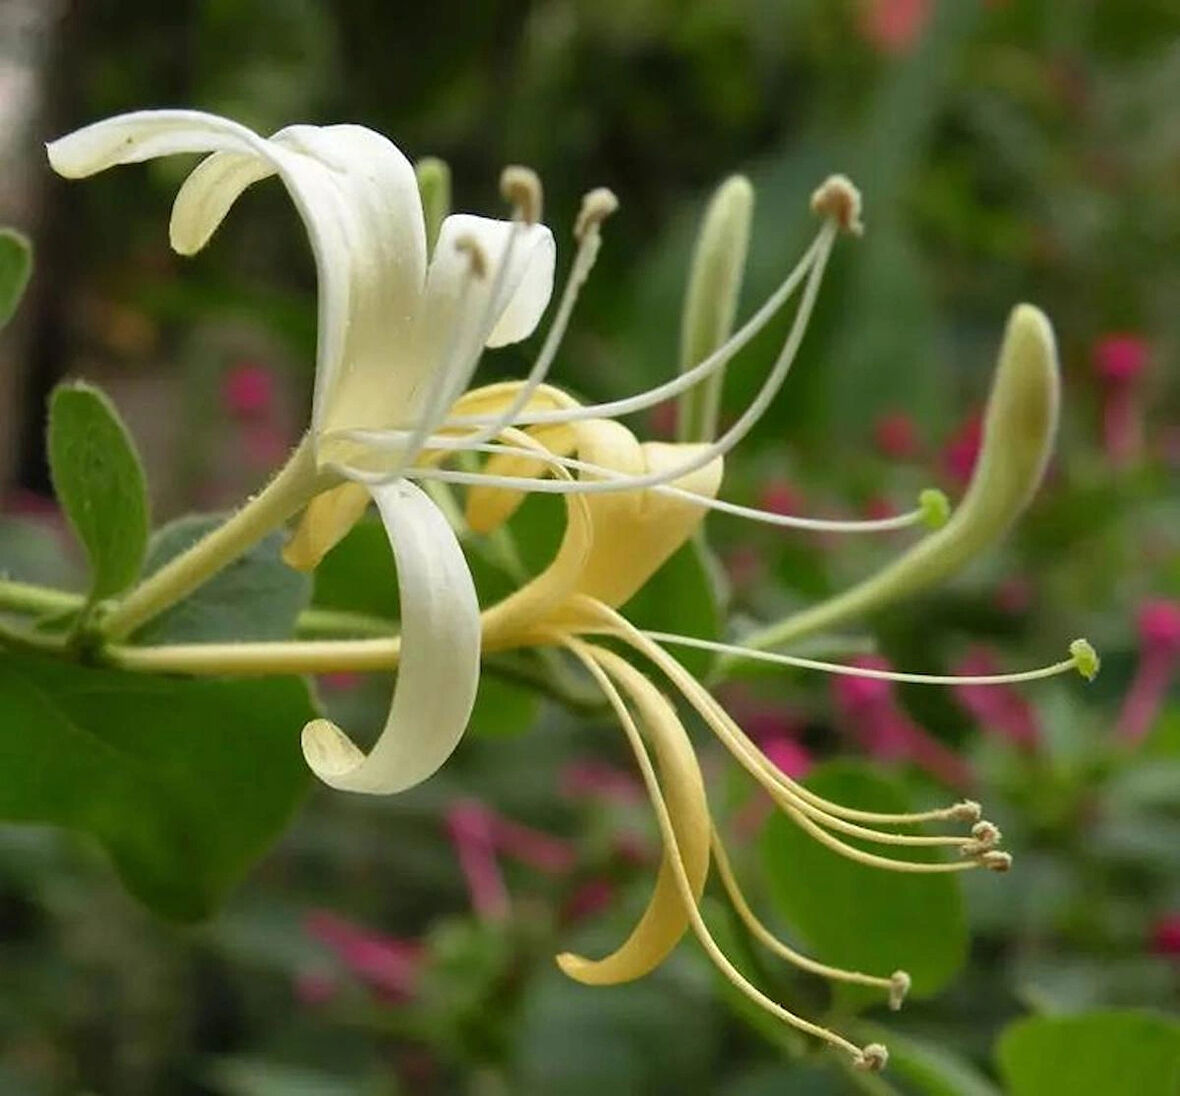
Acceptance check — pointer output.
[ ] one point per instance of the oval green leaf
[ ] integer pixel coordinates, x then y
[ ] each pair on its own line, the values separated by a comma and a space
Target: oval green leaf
100, 485
16, 263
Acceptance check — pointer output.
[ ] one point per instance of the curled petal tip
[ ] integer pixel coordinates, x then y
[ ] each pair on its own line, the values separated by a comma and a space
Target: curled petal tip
1085, 658
330, 753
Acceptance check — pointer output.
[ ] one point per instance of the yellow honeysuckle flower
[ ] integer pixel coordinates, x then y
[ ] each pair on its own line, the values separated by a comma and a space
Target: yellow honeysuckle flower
614, 542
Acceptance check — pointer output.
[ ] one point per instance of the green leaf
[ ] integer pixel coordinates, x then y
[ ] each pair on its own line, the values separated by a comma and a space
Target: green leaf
1093, 1054
16, 263
100, 485
185, 783
256, 598
859, 917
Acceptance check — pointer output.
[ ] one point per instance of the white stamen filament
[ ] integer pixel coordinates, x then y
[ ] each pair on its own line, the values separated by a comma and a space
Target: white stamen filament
707, 453
682, 382
589, 243
844, 669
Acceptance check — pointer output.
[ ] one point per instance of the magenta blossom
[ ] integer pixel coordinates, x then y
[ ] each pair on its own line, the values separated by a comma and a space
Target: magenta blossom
1159, 655
869, 708
1121, 363
1165, 936
896, 436
997, 708
894, 26
961, 450
248, 390
387, 964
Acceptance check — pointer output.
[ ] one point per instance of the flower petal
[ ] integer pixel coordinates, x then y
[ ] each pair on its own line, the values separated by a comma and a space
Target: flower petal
327, 520
666, 918
358, 197
439, 669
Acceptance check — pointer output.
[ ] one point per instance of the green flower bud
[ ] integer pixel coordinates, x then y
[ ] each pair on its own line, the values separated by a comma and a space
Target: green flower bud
434, 184
711, 300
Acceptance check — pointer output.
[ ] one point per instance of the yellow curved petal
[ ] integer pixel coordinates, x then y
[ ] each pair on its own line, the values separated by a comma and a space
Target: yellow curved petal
326, 521
666, 919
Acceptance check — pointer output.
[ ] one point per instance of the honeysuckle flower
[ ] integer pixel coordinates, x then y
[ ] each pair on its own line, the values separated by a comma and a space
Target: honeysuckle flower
398, 340
615, 541
390, 965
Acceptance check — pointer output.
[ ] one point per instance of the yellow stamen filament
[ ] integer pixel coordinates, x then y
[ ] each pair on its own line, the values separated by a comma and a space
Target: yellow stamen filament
799, 802
866, 1057
892, 985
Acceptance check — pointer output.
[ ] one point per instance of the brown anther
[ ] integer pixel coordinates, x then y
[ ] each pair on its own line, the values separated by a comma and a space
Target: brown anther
521, 188
987, 834
476, 255
994, 860
597, 205
899, 986
838, 198
967, 811
872, 1058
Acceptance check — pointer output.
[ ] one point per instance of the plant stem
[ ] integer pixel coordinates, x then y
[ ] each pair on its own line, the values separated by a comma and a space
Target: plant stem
259, 659
24, 597
294, 486
333, 622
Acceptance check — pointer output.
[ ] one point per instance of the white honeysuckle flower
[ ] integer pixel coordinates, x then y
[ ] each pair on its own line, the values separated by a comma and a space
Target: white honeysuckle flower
399, 338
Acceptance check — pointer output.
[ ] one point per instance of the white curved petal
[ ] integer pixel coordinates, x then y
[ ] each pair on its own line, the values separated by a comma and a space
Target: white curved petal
525, 289
358, 197
439, 669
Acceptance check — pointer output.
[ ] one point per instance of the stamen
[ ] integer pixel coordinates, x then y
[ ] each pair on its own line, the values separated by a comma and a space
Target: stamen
597, 205
805, 806
837, 197
872, 1059
893, 985
899, 987
476, 255
717, 360
996, 861
1085, 659
379, 439
871, 1056
1081, 659
934, 507
589, 242
521, 187
707, 453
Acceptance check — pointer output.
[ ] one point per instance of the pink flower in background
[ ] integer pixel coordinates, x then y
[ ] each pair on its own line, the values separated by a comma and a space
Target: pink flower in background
780, 496
592, 897
788, 756
878, 508
388, 964
1159, 656
248, 390
743, 565
868, 707
341, 681
896, 436
961, 450
997, 708
1165, 935
480, 835
894, 26
471, 835
598, 780
760, 718
1120, 362
314, 987
1014, 596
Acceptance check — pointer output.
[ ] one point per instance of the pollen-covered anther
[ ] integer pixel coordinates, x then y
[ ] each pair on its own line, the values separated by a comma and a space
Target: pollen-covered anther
476, 255
597, 205
966, 811
872, 1058
1085, 659
985, 836
521, 188
899, 986
838, 198
994, 860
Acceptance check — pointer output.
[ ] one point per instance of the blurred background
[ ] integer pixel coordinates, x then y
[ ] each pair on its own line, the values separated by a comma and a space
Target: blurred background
1010, 150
